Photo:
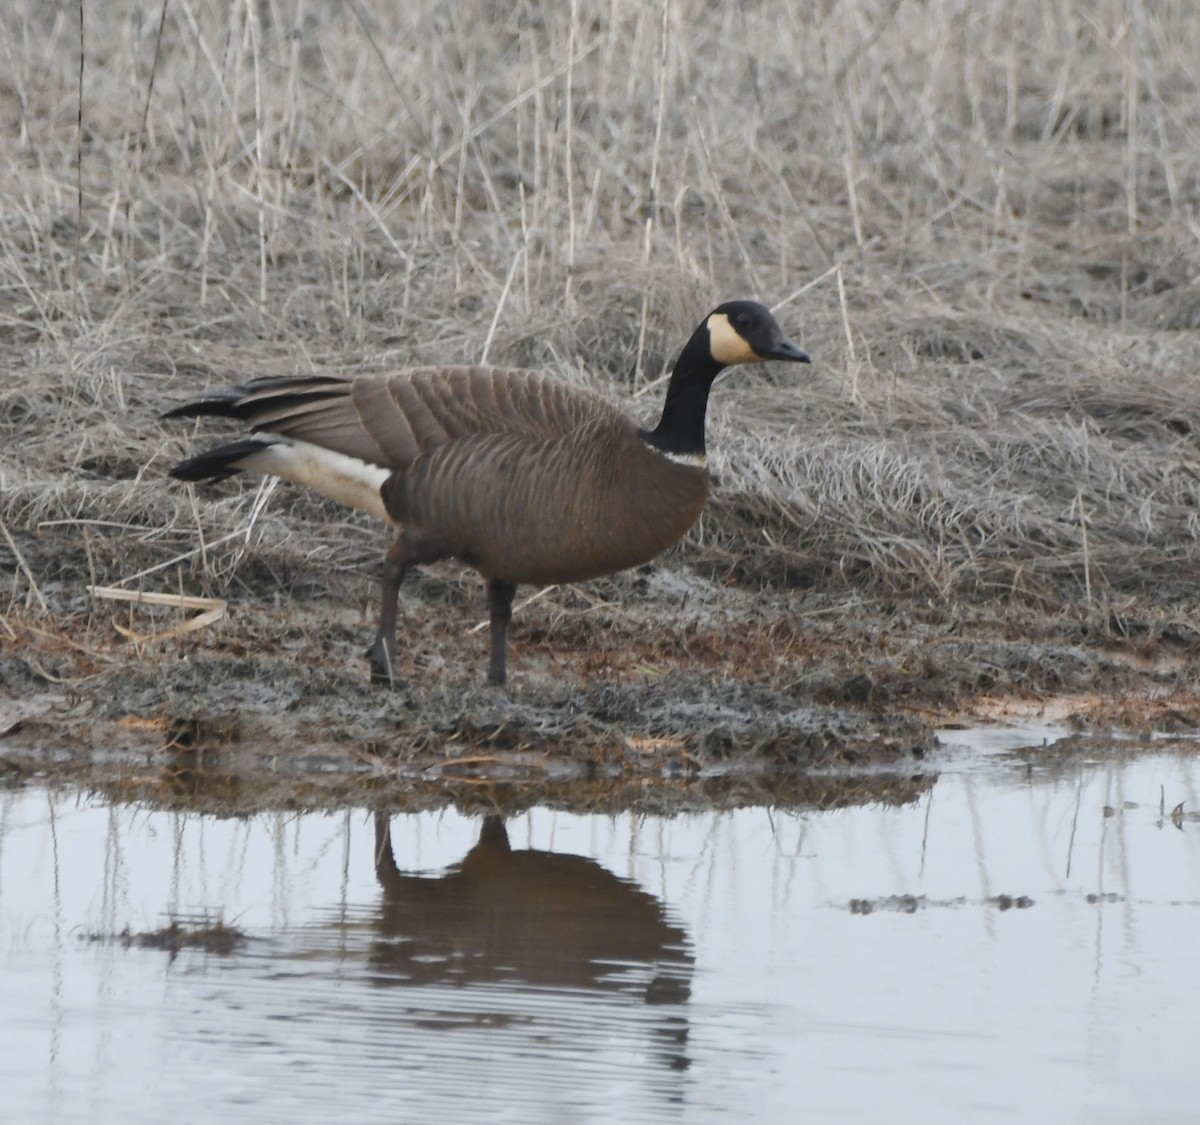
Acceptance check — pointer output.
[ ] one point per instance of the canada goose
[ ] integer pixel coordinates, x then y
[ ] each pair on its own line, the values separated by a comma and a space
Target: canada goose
519, 475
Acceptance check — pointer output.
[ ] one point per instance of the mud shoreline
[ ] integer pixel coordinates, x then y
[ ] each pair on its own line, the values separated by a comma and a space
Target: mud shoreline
623, 694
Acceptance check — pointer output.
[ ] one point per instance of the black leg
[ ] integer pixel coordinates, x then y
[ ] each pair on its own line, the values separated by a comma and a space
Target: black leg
382, 653
500, 599
385, 861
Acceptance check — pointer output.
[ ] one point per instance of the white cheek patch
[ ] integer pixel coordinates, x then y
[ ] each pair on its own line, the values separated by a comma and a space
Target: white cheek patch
345, 479
726, 346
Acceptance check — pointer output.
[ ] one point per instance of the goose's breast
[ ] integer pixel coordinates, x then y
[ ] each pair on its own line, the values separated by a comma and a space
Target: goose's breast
569, 511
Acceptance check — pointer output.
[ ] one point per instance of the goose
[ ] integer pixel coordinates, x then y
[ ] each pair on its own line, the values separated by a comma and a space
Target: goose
524, 477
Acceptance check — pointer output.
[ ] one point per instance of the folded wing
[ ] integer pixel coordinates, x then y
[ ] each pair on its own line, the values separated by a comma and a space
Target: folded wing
391, 420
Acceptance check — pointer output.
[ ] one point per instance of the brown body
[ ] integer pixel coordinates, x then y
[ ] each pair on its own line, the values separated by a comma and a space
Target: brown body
568, 491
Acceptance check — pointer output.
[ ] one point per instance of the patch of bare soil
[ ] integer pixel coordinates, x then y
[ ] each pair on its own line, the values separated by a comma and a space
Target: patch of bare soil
659, 690
603, 694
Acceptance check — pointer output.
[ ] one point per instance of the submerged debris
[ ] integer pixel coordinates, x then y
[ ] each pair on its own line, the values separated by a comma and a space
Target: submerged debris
910, 904
179, 934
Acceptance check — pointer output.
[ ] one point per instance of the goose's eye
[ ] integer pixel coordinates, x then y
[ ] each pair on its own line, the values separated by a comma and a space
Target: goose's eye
741, 320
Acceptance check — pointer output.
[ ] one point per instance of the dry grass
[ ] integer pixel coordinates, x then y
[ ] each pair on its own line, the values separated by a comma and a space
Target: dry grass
981, 219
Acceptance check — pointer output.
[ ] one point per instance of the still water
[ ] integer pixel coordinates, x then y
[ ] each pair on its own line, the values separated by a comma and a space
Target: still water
1016, 942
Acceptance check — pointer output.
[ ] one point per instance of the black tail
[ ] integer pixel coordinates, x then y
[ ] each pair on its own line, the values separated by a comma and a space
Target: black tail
219, 463
224, 404
249, 401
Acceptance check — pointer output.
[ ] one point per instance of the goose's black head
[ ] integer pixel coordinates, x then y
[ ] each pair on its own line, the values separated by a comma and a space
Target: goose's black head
735, 332
746, 332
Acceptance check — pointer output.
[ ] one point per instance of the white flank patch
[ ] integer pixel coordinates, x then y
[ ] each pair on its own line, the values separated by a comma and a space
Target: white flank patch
344, 479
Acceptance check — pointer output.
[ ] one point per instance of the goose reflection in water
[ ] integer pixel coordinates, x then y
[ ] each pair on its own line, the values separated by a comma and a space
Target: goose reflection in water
533, 918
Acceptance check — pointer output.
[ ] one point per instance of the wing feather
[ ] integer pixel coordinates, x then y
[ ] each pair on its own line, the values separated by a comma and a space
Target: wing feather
391, 420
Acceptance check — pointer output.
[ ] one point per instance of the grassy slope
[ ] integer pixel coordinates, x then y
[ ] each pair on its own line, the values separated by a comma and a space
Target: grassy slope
981, 219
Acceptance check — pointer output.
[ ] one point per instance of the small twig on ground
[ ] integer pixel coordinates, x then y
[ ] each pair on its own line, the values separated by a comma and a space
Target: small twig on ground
213, 610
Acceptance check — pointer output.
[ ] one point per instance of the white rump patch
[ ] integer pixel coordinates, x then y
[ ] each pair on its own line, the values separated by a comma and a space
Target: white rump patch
344, 479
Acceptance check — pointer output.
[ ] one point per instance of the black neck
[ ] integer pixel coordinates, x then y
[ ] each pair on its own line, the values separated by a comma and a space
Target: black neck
681, 428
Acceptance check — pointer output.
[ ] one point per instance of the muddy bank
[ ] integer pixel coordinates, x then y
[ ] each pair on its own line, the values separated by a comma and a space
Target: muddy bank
297, 715
658, 689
